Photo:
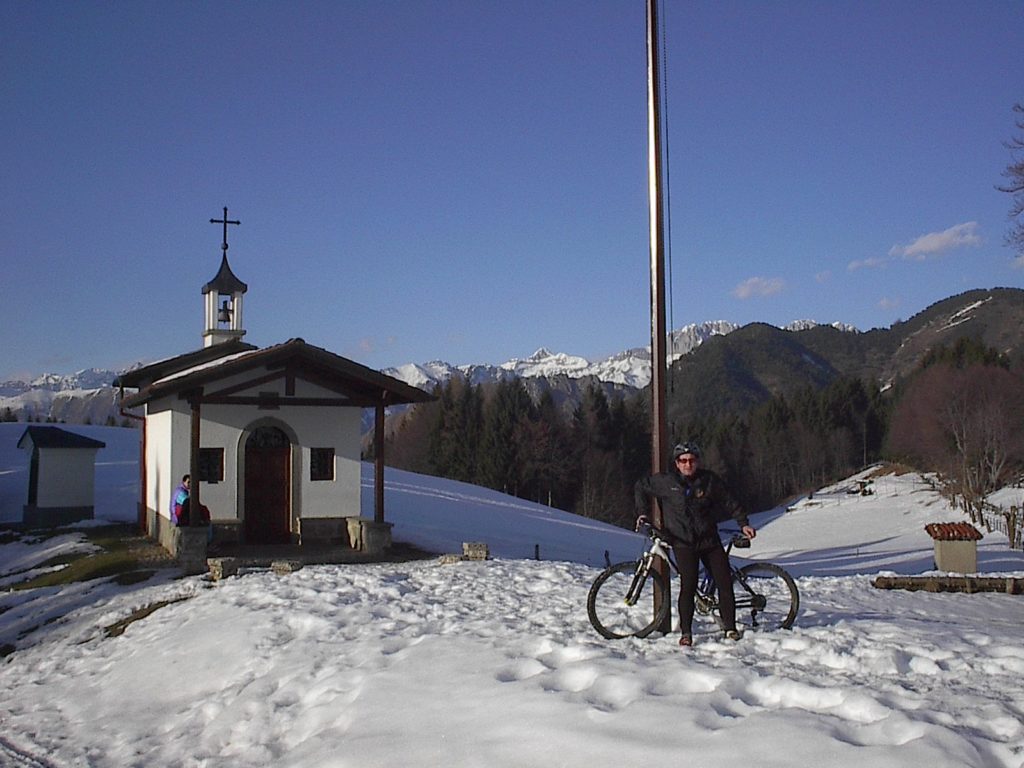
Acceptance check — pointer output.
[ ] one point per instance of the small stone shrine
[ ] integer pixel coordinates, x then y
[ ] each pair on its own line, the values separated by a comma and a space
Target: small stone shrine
62, 476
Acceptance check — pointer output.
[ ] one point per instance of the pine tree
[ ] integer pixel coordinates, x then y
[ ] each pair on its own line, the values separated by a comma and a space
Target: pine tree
604, 491
632, 423
441, 430
455, 435
502, 450
548, 469
592, 419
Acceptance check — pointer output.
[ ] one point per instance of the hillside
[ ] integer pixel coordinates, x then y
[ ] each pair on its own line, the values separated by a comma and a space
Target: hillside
731, 373
346, 665
734, 372
995, 316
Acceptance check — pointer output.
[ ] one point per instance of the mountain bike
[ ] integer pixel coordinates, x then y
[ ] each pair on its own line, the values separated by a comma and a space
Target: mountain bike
766, 595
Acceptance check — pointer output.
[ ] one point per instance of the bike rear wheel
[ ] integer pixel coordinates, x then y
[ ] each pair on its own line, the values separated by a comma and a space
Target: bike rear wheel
621, 605
766, 597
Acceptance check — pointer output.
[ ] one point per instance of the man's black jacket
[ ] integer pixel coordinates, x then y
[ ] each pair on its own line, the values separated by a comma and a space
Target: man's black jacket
690, 509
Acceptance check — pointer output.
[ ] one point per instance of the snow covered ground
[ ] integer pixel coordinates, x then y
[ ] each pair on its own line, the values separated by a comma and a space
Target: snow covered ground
495, 664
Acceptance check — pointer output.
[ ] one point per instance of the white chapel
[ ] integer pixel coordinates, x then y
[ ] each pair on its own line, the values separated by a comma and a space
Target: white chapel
270, 437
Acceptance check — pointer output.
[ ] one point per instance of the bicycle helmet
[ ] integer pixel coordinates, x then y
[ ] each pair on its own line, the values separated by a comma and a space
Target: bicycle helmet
683, 448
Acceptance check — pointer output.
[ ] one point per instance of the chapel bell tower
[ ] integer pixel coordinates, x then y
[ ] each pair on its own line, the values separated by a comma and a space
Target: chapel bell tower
223, 298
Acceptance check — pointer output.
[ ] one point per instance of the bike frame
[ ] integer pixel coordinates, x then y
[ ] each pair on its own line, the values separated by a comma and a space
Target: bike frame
706, 599
658, 548
764, 590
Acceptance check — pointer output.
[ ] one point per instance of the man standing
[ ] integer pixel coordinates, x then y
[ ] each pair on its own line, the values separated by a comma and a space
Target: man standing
692, 500
179, 501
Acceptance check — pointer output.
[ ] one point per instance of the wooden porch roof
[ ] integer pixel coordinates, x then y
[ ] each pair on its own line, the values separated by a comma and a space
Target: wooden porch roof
358, 385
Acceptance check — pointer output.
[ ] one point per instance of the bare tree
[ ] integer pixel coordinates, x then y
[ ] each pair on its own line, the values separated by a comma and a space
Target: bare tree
407, 438
966, 423
915, 434
1014, 173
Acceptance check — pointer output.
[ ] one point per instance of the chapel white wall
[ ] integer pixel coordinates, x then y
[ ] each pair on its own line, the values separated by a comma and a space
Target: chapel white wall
227, 426
168, 435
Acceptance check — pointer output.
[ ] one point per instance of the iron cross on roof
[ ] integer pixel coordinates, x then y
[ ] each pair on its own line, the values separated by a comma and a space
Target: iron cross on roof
225, 221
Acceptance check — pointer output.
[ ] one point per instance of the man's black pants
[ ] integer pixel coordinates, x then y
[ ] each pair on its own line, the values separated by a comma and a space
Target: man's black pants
717, 564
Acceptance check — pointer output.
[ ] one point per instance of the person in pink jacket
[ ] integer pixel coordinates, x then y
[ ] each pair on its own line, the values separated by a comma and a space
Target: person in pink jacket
179, 499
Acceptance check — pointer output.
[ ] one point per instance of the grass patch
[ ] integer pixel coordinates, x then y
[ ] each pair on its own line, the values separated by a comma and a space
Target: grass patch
891, 468
82, 567
115, 557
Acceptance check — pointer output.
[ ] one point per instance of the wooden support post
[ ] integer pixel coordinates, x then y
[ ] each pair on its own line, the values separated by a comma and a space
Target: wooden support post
659, 335
378, 462
194, 518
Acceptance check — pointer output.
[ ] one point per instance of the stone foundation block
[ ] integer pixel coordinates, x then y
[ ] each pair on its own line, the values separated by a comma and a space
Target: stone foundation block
475, 550
222, 567
190, 549
323, 530
284, 567
367, 535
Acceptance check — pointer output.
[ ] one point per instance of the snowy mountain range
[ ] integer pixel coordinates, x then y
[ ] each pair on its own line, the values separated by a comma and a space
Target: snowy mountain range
79, 398
630, 368
92, 378
87, 396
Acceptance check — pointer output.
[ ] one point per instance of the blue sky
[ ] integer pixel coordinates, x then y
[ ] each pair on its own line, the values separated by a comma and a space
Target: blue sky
466, 181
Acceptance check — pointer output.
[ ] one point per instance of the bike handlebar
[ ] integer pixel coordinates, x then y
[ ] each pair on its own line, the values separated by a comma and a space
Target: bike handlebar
736, 538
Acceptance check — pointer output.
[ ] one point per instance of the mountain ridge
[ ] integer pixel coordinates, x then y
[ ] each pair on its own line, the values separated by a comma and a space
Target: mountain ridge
629, 368
752, 365
87, 397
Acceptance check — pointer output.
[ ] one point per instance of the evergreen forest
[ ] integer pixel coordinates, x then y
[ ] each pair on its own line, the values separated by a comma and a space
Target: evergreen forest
959, 413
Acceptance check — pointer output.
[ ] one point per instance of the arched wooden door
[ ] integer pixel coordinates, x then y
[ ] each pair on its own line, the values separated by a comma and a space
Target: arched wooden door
268, 513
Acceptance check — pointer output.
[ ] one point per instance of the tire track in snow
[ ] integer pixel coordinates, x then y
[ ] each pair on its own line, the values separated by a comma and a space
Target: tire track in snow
14, 757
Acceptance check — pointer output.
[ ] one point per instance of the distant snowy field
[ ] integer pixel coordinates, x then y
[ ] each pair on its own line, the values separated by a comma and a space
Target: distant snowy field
495, 663
436, 515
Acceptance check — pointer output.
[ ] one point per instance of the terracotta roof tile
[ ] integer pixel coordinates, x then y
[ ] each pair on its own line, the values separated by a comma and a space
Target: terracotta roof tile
953, 532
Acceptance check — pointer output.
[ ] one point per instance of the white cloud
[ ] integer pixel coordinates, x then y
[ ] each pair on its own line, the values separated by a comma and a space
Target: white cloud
960, 236
887, 303
874, 261
758, 286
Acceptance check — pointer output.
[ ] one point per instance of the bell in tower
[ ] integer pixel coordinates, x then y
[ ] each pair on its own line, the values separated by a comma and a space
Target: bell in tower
223, 298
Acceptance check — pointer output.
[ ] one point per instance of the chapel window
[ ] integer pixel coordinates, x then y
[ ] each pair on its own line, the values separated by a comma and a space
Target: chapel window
321, 463
211, 465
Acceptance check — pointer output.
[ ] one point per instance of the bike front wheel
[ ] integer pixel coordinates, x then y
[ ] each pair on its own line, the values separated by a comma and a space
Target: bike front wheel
766, 597
620, 601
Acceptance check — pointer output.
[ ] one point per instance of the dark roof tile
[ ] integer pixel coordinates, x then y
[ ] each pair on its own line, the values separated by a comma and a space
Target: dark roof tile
54, 437
953, 532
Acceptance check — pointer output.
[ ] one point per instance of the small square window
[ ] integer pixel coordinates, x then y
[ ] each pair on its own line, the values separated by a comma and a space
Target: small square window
321, 463
211, 465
